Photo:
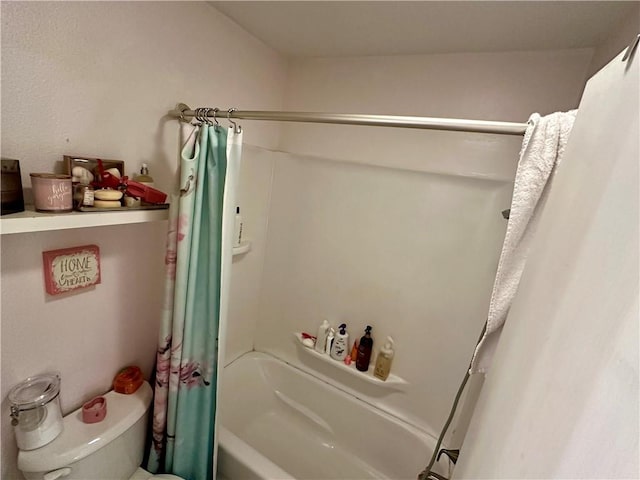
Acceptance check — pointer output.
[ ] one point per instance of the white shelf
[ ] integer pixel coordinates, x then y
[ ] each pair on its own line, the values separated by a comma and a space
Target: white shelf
392, 381
244, 247
32, 221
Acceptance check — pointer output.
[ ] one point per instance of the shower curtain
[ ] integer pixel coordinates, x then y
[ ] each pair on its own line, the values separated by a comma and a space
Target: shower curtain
198, 263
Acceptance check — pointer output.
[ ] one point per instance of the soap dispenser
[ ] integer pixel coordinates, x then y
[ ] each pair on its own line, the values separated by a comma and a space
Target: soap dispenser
340, 347
144, 177
383, 362
364, 350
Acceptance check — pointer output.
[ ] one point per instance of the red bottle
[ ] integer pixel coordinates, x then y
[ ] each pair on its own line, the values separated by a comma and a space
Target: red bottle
364, 350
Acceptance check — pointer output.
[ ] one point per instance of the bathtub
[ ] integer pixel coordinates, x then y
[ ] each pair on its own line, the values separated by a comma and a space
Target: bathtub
279, 422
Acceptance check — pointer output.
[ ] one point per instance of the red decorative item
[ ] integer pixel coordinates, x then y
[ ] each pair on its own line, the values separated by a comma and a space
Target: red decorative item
128, 380
68, 269
105, 180
94, 410
145, 192
133, 189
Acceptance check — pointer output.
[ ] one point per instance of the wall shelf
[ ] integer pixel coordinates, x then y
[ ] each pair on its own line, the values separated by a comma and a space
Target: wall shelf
393, 381
32, 221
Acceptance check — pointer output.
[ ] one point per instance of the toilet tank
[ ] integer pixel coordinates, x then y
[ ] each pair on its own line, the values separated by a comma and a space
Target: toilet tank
111, 449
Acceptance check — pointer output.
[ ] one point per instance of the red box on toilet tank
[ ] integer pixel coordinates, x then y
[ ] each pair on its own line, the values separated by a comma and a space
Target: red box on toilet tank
72, 268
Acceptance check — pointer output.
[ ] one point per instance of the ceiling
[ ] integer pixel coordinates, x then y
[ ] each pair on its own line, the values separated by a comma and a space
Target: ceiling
344, 28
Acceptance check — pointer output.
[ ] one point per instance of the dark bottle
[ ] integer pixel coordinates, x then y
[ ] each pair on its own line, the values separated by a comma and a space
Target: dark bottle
364, 351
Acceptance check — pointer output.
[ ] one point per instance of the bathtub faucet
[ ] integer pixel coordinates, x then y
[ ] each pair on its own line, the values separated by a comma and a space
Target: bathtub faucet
431, 476
427, 474
452, 454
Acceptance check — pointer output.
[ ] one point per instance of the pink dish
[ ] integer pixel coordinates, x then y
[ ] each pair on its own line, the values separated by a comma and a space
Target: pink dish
94, 410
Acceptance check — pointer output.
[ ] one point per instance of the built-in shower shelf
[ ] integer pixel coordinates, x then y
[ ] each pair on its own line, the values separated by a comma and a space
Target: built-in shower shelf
393, 381
243, 248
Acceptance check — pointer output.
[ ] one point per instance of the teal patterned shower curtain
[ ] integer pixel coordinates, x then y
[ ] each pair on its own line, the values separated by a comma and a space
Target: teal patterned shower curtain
198, 263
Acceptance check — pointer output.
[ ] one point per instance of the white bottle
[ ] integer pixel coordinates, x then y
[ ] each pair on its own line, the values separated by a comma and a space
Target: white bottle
330, 337
237, 232
340, 347
321, 339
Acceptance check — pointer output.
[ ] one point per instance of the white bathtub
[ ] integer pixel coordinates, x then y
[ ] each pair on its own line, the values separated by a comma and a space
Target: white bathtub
279, 422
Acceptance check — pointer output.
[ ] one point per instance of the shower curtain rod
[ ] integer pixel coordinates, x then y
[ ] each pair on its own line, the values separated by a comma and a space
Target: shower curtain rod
460, 125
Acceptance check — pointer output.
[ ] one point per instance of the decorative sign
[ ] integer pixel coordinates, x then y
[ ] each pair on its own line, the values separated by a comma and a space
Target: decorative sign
71, 268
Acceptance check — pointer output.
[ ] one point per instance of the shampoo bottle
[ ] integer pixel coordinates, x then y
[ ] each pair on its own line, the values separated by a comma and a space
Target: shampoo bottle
340, 347
321, 339
383, 362
237, 231
330, 337
364, 350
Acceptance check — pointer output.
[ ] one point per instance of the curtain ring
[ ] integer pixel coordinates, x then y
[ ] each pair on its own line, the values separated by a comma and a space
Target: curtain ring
215, 119
206, 116
236, 128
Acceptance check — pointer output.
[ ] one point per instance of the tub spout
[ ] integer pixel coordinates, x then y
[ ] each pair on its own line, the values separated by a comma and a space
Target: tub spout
452, 454
431, 476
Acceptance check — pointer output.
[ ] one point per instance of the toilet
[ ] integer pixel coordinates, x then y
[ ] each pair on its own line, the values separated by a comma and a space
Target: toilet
108, 450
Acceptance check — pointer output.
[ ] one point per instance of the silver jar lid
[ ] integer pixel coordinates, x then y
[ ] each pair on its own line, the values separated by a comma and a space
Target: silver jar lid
35, 391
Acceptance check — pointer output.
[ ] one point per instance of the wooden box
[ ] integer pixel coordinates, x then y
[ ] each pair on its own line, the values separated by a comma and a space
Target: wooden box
91, 164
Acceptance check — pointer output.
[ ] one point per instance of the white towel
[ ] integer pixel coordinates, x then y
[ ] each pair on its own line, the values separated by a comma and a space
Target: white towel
542, 150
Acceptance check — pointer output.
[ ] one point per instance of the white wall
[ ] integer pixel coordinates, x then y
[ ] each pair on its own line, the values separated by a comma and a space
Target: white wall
412, 254
410, 245
483, 86
561, 398
88, 335
97, 79
254, 199
619, 39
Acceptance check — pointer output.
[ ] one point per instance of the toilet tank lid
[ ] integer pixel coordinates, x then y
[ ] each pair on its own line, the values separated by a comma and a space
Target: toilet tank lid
79, 439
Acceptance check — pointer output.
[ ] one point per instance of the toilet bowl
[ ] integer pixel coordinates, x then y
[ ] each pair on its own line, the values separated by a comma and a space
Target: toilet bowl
111, 449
